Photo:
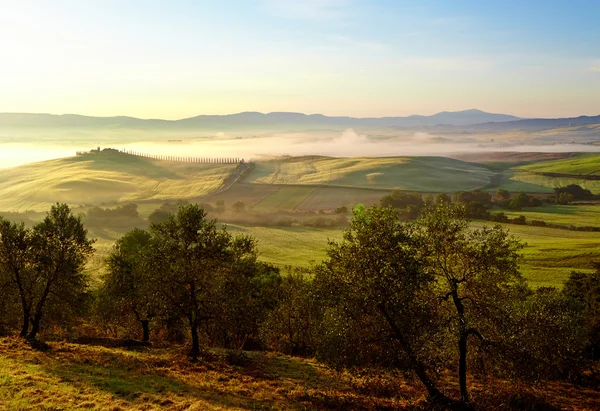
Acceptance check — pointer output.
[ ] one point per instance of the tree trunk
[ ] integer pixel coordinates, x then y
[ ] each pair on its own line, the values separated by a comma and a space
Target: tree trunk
435, 395
195, 343
35, 327
462, 347
25, 328
146, 330
462, 368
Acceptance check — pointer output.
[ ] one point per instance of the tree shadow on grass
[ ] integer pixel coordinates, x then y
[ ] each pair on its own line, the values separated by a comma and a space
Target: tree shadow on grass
143, 385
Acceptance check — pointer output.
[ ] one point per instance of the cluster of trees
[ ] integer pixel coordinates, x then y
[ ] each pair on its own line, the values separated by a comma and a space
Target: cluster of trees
119, 217
238, 213
187, 273
419, 296
478, 204
564, 195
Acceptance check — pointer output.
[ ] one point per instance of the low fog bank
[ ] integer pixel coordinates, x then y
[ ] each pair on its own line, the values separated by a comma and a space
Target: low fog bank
349, 143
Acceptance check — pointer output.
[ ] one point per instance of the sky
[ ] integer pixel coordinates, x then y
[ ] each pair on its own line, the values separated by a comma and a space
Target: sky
365, 58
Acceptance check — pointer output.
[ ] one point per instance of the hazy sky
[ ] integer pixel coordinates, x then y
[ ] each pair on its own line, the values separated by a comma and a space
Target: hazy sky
175, 59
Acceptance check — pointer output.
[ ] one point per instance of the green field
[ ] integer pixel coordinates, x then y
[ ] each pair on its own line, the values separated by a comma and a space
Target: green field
582, 164
104, 178
430, 174
520, 181
575, 215
284, 199
548, 258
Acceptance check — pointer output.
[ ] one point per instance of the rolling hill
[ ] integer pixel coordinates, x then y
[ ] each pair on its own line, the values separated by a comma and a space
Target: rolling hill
584, 164
429, 174
101, 178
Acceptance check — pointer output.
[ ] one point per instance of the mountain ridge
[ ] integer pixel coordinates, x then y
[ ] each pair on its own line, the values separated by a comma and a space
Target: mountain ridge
471, 119
464, 117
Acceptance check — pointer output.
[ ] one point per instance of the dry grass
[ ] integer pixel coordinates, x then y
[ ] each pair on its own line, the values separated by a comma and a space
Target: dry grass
93, 377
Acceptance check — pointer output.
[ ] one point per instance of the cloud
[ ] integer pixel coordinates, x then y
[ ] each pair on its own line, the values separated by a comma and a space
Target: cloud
595, 67
309, 9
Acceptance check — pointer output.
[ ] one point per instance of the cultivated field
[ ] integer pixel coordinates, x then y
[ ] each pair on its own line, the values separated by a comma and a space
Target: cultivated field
582, 164
429, 174
568, 215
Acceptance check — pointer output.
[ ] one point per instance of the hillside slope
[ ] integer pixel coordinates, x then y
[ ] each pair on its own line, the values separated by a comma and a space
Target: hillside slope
587, 164
113, 177
98, 374
428, 174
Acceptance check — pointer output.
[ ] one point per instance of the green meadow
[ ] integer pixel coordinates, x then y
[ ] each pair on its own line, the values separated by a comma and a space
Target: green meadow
583, 164
430, 174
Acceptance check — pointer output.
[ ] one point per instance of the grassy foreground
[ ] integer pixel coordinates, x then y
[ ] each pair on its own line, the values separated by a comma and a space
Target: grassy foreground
94, 377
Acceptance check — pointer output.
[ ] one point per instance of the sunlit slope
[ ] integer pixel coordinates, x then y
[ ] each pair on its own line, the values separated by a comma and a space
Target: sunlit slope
434, 174
106, 177
581, 164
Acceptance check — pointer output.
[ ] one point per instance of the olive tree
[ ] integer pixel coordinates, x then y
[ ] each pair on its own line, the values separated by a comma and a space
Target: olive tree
129, 285
476, 275
60, 250
44, 266
191, 257
16, 265
377, 298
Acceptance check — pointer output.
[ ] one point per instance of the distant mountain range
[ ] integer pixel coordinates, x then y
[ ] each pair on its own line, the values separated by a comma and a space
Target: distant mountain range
464, 118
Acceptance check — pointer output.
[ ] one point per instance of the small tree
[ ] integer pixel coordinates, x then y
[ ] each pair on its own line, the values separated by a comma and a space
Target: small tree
585, 288
16, 270
377, 299
192, 257
60, 249
130, 283
248, 293
239, 207
292, 326
476, 273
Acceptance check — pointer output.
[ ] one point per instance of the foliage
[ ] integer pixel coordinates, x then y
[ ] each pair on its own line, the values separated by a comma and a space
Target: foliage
476, 275
409, 204
248, 294
291, 326
45, 265
479, 196
238, 206
129, 283
121, 216
372, 284
585, 288
192, 259
571, 192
